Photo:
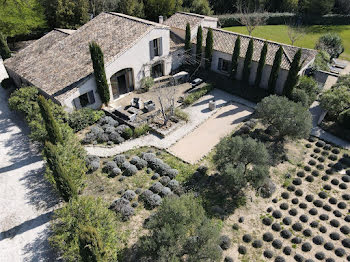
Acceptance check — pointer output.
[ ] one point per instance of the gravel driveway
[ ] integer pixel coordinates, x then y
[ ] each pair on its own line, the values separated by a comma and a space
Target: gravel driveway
26, 201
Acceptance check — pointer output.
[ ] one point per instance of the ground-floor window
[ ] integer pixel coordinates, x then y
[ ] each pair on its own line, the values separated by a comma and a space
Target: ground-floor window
224, 65
122, 82
157, 70
84, 100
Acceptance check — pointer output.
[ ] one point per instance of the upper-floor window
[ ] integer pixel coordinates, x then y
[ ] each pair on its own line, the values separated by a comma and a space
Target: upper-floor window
156, 48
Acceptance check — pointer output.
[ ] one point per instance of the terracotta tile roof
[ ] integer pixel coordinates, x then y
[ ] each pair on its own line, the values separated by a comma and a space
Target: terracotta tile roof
224, 41
176, 42
57, 61
180, 19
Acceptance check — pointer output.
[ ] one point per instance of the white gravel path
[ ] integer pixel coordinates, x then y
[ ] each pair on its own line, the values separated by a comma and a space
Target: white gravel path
26, 201
198, 112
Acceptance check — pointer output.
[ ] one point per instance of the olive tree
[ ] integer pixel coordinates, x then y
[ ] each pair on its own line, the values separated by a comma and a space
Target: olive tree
180, 228
242, 161
288, 118
335, 100
331, 43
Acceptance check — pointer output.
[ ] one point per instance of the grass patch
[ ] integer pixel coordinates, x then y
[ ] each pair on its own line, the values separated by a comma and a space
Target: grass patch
181, 115
279, 33
141, 130
195, 95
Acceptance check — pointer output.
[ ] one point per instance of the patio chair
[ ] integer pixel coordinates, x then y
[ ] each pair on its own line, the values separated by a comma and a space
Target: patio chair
338, 63
150, 105
334, 70
136, 102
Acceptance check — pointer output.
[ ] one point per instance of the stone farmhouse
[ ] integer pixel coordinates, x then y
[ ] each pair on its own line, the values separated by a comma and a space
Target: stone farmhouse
59, 63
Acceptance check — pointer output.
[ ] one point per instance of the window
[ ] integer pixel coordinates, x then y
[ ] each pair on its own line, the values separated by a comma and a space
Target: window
156, 48
84, 100
224, 65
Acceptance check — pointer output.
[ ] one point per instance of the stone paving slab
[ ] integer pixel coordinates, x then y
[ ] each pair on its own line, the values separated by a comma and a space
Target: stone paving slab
203, 139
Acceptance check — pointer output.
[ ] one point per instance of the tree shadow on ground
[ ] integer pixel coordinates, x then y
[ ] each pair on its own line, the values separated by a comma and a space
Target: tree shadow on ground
39, 191
323, 29
40, 249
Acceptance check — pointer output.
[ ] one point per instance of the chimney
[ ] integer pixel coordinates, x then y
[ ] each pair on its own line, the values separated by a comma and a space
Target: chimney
161, 19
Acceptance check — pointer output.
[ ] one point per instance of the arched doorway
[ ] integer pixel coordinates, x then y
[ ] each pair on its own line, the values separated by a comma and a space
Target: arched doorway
122, 82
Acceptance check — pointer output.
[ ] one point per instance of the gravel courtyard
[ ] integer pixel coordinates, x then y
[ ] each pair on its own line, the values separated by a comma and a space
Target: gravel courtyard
201, 141
26, 201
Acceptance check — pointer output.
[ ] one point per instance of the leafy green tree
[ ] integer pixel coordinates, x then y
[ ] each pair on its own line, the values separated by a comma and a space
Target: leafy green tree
300, 96
248, 60
331, 43
318, 7
199, 46
93, 214
209, 45
166, 8
197, 6
91, 248
132, 7
322, 61
4, 49
99, 72
341, 7
293, 74
51, 125
335, 101
241, 161
180, 227
310, 87
275, 70
18, 17
188, 44
235, 56
261, 65
66, 13
343, 80
288, 118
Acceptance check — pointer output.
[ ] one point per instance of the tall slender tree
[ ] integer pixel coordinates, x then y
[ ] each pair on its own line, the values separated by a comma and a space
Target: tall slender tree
199, 46
248, 60
99, 72
261, 65
293, 75
188, 44
63, 181
235, 56
4, 49
209, 45
51, 125
275, 70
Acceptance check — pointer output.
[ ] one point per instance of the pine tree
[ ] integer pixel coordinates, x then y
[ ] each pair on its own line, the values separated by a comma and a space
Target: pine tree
209, 48
188, 45
275, 70
248, 60
63, 182
235, 56
51, 125
4, 49
199, 44
99, 72
293, 75
261, 65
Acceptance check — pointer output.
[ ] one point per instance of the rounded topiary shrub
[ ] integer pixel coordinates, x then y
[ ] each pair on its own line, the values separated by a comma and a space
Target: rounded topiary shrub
119, 160
225, 242
109, 166
115, 172
297, 226
287, 250
153, 201
156, 187
307, 233
164, 180
242, 250
268, 253
318, 240
130, 170
257, 243
286, 234
166, 191
277, 244
138, 162
276, 227
267, 237
129, 195
247, 238
329, 246
307, 168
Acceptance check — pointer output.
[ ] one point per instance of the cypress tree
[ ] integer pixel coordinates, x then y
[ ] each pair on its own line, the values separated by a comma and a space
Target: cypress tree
209, 48
199, 44
248, 60
90, 244
188, 44
63, 182
261, 65
293, 77
235, 56
51, 125
99, 72
275, 70
4, 49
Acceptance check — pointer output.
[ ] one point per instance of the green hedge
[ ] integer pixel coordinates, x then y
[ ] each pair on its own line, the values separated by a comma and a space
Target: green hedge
283, 18
194, 96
